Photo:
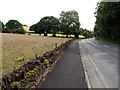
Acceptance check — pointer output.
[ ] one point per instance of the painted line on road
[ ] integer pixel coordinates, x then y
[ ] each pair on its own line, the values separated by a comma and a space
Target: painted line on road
100, 76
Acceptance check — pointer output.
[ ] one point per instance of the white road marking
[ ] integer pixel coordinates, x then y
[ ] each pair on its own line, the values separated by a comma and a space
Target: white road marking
101, 78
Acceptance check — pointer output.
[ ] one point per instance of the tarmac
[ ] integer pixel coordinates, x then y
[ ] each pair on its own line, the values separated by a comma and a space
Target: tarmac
68, 72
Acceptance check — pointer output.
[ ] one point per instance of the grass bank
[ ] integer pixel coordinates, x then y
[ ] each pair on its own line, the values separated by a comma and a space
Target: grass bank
108, 40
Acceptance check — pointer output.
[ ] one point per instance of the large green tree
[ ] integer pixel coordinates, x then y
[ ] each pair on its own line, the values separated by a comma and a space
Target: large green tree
14, 26
36, 28
48, 24
70, 22
107, 24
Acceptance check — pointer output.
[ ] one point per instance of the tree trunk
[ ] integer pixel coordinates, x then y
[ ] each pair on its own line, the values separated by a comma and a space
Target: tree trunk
54, 35
67, 35
45, 34
67, 31
76, 35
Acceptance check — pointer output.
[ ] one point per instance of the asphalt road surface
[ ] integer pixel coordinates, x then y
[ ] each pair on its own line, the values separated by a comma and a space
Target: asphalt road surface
68, 72
101, 62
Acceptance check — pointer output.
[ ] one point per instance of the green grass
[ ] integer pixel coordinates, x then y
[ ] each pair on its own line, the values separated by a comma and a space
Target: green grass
108, 40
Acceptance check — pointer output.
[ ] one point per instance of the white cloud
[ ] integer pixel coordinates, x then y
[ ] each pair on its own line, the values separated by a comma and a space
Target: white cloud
30, 11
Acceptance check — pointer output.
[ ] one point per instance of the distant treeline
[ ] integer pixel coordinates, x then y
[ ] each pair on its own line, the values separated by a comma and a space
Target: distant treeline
12, 26
107, 24
68, 24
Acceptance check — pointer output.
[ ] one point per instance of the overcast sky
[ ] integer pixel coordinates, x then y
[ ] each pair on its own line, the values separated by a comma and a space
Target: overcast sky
30, 12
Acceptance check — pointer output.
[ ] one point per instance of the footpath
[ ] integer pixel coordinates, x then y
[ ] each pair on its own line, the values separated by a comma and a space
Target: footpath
68, 72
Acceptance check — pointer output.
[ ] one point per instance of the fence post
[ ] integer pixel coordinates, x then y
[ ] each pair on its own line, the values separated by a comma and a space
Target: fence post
36, 56
55, 44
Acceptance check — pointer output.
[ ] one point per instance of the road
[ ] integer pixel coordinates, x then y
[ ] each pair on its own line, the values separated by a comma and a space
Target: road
100, 61
68, 72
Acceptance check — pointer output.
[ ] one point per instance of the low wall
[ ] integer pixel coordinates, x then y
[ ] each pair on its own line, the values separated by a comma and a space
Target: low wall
33, 72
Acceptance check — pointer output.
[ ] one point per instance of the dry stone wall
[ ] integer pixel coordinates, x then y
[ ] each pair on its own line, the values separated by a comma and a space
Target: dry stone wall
33, 72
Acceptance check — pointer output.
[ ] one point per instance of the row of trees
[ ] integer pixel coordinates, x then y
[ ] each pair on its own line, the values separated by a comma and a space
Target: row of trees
107, 24
12, 26
87, 33
68, 24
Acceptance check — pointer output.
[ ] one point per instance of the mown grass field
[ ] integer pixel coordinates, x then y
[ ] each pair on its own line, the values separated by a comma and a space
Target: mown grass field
18, 49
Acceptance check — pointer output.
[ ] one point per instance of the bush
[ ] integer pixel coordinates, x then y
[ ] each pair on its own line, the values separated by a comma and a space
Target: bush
20, 31
6, 30
46, 63
15, 85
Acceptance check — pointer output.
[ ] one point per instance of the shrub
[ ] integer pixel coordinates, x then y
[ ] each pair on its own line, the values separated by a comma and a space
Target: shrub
15, 84
46, 63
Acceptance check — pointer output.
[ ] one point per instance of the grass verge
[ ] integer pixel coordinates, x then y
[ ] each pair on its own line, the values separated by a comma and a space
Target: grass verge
108, 40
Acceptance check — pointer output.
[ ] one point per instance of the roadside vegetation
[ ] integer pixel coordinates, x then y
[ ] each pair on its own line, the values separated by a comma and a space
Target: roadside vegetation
107, 26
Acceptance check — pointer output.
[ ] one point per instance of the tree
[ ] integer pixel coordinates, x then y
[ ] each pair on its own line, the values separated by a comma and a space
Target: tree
87, 33
69, 23
49, 24
55, 25
15, 27
36, 28
1, 26
32, 28
107, 20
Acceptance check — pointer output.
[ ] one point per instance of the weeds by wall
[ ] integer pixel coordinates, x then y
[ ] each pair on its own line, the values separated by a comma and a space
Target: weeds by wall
33, 72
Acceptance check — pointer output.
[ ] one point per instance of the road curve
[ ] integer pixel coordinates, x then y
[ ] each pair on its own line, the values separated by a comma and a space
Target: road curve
101, 62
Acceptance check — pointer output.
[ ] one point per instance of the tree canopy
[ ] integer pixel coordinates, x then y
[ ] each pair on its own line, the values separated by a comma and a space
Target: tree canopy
14, 26
107, 24
87, 33
1, 26
48, 24
69, 22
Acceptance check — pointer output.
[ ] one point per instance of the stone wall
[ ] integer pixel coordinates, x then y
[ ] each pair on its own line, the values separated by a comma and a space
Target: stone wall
33, 72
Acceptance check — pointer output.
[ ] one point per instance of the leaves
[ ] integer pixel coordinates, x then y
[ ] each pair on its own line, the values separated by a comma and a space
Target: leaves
13, 26
107, 20
48, 24
69, 22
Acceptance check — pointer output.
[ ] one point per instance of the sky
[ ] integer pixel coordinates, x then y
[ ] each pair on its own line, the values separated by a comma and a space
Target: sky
30, 12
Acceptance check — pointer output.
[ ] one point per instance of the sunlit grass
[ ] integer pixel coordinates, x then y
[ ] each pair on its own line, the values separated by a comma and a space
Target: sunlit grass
57, 35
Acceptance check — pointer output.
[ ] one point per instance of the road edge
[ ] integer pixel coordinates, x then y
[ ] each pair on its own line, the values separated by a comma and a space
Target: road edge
86, 75
89, 79
85, 70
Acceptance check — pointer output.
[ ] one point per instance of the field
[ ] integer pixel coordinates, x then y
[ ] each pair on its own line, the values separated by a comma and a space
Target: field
58, 35
18, 49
